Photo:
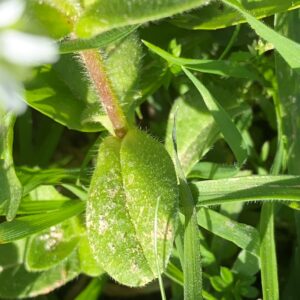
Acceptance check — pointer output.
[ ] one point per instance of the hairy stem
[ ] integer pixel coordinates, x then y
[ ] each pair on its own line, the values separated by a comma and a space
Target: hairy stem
95, 66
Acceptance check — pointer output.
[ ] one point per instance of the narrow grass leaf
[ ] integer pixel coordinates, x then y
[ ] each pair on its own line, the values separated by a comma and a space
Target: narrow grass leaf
214, 16
10, 186
248, 188
25, 226
217, 67
289, 97
287, 48
39, 207
230, 132
99, 41
244, 236
210, 170
192, 268
31, 178
268, 260
160, 281
93, 290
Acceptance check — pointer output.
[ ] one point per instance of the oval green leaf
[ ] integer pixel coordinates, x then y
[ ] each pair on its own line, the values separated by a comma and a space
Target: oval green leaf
131, 176
50, 247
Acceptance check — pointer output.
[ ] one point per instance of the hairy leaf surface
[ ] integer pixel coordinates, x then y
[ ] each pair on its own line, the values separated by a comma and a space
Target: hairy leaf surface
130, 176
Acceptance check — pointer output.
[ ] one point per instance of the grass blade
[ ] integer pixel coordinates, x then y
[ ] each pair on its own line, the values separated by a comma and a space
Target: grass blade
192, 269
217, 67
244, 236
25, 226
248, 188
268, 258
289, 97
287, 48
10, 186
99, 41
211, 17
230, 132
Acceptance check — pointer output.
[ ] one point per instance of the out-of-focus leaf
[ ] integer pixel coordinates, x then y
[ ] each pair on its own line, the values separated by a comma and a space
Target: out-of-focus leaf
16, 282
54, 17
63, 94
215, 15
50, 247
93, 290
246, 264
10, 186
103, 15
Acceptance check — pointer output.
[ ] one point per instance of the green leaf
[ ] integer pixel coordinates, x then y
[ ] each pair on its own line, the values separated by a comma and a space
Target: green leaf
63, 94
60, 93
248, 188
268, 261
246, 264
209, 170
39, 207
16, 282
103, 15
93, 290
218, 284
54, 17
226, 275
99, 41
287, 48
189, 234
214, 15
197, 133
31, 178
10, 186
25, 226
88, 264
230, 132
50, 247
289, 91
242, 235
137, 173
217, 67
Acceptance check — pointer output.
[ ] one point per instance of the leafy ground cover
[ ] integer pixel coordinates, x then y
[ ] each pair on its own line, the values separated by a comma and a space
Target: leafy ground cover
149, 149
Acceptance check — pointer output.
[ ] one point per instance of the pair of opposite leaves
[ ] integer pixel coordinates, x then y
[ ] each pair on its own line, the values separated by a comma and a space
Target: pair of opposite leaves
132, 208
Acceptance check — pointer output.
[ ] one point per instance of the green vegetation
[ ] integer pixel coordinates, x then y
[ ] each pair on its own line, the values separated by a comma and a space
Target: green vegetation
149, 149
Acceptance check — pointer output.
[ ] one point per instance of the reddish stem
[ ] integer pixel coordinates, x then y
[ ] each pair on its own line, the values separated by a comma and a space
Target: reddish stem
95, 67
